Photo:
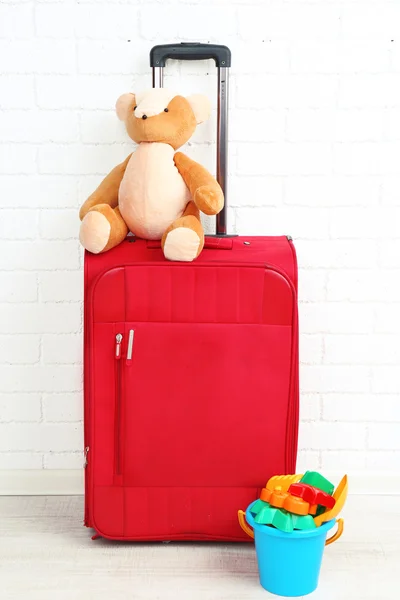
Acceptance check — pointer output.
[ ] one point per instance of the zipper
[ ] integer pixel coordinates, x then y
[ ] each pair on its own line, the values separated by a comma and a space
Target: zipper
86, 452
130, 347
118, 351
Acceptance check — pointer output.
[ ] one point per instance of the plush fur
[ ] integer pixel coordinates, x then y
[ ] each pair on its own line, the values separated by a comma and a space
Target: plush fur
156, 193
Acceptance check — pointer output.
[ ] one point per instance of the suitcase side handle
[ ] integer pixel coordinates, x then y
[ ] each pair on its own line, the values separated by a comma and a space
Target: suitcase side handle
210, 243
190, 51
222, 57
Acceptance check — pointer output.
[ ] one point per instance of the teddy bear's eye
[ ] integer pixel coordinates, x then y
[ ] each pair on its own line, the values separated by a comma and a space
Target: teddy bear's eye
165, 109
135, 107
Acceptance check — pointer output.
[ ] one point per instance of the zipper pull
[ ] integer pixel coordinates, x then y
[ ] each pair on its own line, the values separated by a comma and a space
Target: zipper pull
118, 341
130, 347
85, 464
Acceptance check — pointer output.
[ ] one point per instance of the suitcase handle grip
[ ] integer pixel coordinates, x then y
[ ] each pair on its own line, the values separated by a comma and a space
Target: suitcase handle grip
190, 51
210, 243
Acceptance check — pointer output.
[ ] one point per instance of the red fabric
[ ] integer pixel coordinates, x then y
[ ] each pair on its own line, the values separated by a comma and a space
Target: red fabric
190, 428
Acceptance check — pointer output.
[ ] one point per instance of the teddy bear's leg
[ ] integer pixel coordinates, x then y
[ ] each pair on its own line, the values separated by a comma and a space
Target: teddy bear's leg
102, 228
184, 239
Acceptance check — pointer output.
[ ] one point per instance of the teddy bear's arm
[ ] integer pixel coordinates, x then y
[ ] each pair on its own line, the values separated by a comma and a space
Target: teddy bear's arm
205, 190
107, 191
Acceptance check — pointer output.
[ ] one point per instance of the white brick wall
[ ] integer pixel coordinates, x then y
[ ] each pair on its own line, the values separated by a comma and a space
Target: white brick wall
315, 147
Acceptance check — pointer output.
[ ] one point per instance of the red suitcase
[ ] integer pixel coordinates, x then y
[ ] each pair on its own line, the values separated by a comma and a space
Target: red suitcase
191, 373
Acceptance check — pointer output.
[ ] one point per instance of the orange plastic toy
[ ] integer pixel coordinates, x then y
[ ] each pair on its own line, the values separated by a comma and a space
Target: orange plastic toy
279, 499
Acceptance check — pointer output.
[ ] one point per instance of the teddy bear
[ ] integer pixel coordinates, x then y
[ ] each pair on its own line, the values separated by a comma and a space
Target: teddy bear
156, 193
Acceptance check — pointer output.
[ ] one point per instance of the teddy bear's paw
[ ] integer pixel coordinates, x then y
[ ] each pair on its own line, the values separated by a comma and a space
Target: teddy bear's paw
209, 199
182, 244
94, 232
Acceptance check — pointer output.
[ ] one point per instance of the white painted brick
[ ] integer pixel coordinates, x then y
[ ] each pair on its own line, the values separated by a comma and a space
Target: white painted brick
102, 127
61, 286
18, 287
63, 407
17, 91
125, 56
255, 191
332, 378
273, 55
373, 21
340, 56
41, 255
343, 460
310, 349
13, 461
360, 407
296, 222
17, 158
83, 91
76, 159
38, 191
358, 125
387, 318
337, 254
386, 379
60, 224
41, 437
369, 90
336, 317
286, 91
389, 253
18, 224
20, 407
332, 191
62, 348
364, 286
308, 460
390, 190
307, 158
357, 158
365, 222
362, 349
37, 378
312, 285
63, 460
39, 126
331, 436
40, 318
110, 21
310, 407
259, 126
37, 56
392, 124
310, 125
19, 349
16, 21
55, 20
289, 21
384, 436
383, 461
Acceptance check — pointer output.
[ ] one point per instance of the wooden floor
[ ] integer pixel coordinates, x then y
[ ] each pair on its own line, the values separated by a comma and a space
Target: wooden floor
46, 554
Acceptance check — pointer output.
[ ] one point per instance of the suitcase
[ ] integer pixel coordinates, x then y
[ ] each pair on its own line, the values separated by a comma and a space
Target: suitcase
190, 372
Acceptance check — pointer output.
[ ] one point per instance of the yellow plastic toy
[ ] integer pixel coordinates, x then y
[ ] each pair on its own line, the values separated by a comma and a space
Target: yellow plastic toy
283, 482
340, 495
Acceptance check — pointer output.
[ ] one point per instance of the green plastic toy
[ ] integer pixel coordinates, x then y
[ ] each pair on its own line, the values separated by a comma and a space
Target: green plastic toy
264, 514
317, 480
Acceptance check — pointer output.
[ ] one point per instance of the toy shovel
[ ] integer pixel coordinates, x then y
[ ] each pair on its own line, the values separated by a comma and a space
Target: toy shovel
340, 496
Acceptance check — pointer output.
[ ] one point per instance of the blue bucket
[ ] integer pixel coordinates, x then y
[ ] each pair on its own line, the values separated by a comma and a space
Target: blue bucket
289, 563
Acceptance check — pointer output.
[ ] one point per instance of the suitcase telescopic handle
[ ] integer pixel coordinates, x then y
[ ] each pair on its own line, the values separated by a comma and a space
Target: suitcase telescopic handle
222, 57
190, 51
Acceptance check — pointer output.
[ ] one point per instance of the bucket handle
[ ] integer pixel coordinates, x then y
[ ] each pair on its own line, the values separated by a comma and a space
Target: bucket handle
247, 529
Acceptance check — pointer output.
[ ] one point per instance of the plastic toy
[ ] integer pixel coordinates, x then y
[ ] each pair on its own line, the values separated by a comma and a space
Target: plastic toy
282, 481
318, 481
289, 564
312, 495
340, 496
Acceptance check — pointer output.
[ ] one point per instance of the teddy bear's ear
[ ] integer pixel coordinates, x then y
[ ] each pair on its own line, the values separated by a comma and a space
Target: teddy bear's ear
123, 104
201, 107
